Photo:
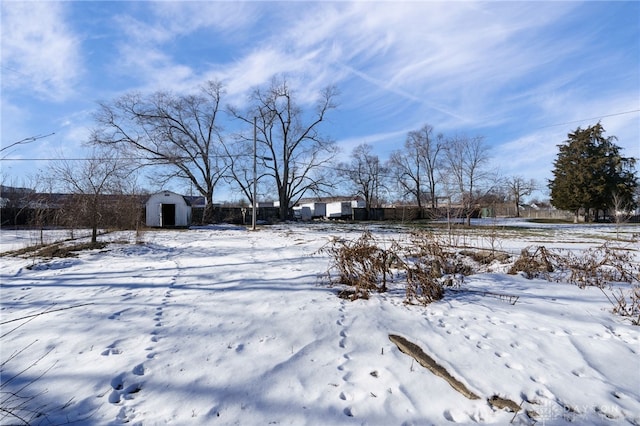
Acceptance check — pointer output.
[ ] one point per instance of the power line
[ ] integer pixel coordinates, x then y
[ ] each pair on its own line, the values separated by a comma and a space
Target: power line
27, 140
156, 160
592, 118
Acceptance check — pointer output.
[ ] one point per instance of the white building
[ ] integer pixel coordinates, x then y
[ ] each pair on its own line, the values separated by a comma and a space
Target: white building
167, 209
316, 209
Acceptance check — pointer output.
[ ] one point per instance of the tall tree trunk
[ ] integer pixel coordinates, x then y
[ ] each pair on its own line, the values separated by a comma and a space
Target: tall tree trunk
207, 214
284, 208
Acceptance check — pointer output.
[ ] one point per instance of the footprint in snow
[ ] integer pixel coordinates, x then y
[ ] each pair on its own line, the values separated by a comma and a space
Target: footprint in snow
343, 340
111, 350
139, 370
131, 390
514, 366
115, 315
455, 416
545, 393
114, 397
579, 372
117, 384
128, 393
538, 379
481, 345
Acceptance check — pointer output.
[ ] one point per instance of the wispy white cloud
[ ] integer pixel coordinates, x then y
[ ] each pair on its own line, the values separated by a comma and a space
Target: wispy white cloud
152, 35
383, 142
505, 70
225, 17
532, 153
454, 58
40, 53
445, 59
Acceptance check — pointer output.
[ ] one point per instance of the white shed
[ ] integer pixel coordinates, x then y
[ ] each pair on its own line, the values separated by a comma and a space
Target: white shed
317, 209
339, 209
167, 209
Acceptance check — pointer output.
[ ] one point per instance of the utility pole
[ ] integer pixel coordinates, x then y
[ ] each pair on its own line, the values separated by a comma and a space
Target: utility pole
255, 176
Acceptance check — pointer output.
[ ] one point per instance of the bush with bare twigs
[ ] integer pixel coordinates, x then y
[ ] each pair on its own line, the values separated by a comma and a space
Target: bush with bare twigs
361, 264
599, 267
534, 262
364, 266
625, 303
422, 286
430, 264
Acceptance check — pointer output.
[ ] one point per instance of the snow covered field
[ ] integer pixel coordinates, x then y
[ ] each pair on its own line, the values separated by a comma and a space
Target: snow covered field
221, 325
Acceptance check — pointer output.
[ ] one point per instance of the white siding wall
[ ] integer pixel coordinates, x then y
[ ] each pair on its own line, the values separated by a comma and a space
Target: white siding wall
154, 209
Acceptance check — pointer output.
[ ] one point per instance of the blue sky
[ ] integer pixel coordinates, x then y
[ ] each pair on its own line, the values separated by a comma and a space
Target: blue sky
521, 74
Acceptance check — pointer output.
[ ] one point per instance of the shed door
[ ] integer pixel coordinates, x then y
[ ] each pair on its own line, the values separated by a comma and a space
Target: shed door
168, 215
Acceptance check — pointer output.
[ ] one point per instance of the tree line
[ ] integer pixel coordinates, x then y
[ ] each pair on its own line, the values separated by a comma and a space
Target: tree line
196, 138
591, 176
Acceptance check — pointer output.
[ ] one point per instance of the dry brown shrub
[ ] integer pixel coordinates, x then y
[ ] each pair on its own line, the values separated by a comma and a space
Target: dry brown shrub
600, 266
427, 262
361, 264
423, 286
534, 262
626, 303
595, 267
485, 257
440, 257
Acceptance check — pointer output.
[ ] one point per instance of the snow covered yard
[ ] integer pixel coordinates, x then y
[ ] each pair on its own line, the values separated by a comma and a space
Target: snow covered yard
220, 325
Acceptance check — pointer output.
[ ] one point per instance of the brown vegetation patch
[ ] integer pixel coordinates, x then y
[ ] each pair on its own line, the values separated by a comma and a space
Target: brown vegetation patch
56, 250
503, 404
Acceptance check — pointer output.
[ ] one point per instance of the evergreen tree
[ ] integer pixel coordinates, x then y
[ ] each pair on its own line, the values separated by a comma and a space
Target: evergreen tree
589, 172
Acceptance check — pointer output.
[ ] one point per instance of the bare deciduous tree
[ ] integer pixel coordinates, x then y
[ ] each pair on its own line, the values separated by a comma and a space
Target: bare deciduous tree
178, 131
89, 181
240, 157
365, 174
291, 138
416, 166
519, 187
466, 170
